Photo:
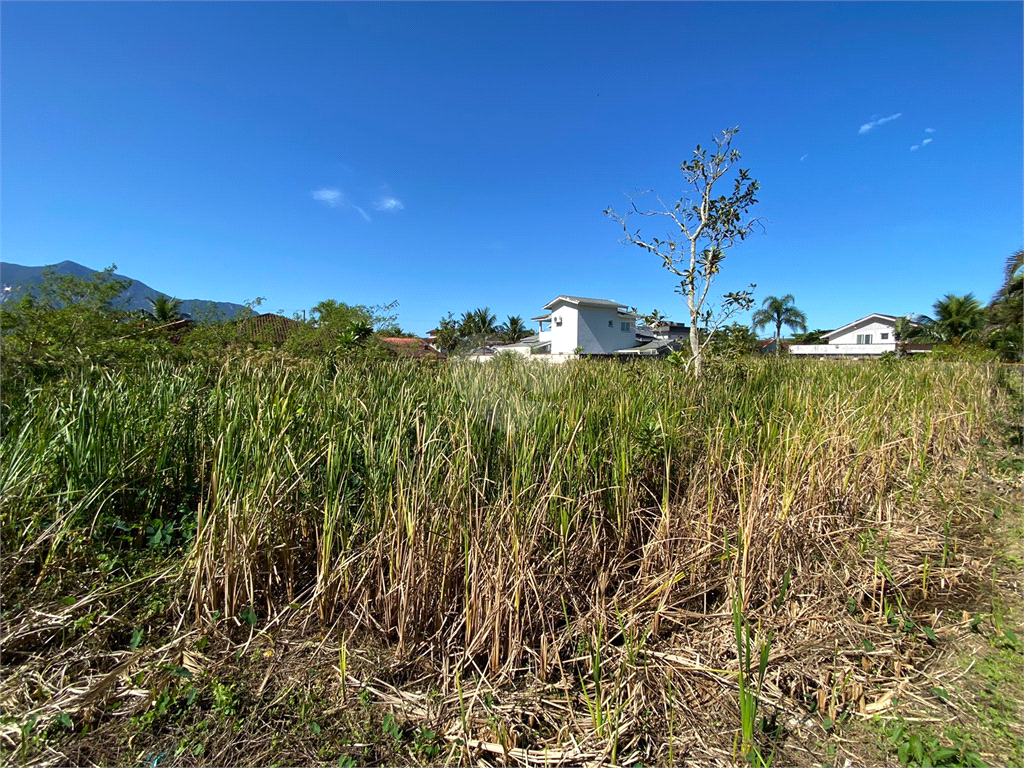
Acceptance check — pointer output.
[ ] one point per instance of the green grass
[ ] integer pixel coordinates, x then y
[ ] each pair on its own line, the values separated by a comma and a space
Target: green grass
505, 513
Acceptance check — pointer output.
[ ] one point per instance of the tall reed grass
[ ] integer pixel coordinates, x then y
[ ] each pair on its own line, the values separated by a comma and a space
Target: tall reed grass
479, 508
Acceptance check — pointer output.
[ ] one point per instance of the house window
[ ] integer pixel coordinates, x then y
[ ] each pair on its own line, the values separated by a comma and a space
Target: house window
611, 323
558, 321
625, 326
885, 336
863, 338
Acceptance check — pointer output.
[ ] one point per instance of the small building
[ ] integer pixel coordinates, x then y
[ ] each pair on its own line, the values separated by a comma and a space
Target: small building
576, 325
870, 336
664, 330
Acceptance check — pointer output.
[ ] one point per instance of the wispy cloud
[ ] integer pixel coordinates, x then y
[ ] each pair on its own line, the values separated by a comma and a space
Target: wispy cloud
332, 198
386, 200
335, 198
388, 203
924, 142
880, 121
803, 157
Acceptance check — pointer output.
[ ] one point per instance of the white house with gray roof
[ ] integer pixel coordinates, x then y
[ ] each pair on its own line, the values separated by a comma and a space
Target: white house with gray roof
576, 324
870, 336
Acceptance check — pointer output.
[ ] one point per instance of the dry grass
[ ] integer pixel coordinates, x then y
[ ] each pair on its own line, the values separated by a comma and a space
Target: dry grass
533, 565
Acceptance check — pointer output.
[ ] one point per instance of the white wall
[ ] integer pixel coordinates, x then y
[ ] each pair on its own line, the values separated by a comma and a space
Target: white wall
538, 358
564, 337
596, 337
876, 328
847, 350
587, 327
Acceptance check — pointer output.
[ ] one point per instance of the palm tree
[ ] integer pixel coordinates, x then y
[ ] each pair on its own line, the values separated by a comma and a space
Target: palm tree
486, 323
957, 319
779, 312
165, 309
354, 335
1014, 273
1006, 310
514, 330
478, 322
907, 328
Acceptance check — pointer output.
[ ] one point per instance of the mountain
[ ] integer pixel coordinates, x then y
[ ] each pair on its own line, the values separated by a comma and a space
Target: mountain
21, 278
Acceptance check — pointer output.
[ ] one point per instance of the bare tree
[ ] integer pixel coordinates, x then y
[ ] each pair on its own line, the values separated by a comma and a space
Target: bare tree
707, 227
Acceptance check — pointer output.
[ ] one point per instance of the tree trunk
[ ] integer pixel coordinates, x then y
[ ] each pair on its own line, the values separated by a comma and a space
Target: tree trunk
695, 345
778, 338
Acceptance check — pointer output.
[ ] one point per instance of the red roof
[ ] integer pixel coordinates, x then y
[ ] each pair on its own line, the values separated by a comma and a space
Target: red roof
268, 327
409, 346
402, 340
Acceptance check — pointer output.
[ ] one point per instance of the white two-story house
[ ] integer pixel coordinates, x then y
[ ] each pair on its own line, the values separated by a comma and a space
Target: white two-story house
578, 325
870, 336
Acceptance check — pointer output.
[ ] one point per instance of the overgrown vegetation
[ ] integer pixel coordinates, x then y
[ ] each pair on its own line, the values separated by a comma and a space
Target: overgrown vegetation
351, 560
229, 546
476, 328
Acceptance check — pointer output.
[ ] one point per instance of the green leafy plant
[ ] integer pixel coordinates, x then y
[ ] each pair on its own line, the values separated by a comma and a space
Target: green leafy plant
924, 750
225, 701
605, 706
426, 744
160, 534
391, 728
751, 681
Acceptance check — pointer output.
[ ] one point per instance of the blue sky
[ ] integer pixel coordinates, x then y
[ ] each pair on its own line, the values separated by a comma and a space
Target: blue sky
457, 156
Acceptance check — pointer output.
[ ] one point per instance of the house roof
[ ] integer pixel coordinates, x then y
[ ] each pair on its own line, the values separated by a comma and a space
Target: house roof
407, 346
268, 327
662, 327
584, 300
404, 341
879, 315
657, 346
530, 341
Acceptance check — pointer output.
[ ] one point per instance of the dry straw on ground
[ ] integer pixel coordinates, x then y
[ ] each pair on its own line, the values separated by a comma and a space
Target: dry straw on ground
550, 565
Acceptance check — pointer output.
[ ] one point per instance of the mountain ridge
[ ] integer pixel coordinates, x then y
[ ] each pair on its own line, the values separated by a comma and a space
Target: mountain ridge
19, 277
